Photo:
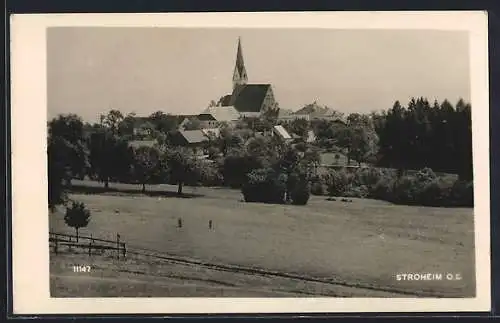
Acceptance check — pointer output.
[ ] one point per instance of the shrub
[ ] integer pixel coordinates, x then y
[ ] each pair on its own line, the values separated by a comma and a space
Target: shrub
337, 182
236, 167
359, 191
425, 175
462, 193
367, 176
383, 189
299, 187
265, 185
423, 188
213, 152
210, 175
405, 190
318, 188
432, 193
300, 194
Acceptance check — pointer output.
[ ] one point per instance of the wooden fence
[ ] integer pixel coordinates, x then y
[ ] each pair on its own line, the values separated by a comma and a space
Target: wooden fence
89, 243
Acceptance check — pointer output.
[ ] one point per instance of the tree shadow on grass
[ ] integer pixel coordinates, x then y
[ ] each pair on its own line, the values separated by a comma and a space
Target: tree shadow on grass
90, 190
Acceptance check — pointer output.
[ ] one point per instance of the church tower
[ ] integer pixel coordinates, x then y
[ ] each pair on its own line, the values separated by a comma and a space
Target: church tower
240, 73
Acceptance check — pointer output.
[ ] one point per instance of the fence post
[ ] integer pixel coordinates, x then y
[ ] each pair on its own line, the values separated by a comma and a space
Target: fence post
118, 245
124, 249
56, 240
70, 247
90, 248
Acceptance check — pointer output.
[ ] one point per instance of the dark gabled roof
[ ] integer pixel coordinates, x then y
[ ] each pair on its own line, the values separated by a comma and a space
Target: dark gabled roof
205, 117
139, 121
226, 100
249, 97
182, 117
187, 137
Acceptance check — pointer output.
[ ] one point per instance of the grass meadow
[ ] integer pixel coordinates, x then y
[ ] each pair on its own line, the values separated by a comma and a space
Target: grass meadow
337, 248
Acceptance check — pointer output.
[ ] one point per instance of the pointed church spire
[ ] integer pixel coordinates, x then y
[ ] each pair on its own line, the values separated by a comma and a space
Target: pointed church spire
240, 73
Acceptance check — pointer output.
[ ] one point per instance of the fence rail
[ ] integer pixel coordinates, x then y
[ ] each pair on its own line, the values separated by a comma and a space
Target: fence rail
57, 240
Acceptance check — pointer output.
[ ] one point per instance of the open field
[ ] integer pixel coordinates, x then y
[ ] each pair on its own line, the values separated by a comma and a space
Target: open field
146, 277
358, 246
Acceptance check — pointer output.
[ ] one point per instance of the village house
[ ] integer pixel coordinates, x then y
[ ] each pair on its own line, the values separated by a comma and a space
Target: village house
310, 137
197, 140
135, 144
184, 120
286, 116
142, 127
213, 117
282, 134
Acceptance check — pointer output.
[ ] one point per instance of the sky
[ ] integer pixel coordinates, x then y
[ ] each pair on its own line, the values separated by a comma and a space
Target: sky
91, 70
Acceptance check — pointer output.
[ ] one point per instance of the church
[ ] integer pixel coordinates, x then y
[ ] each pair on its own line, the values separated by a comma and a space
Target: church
250, 100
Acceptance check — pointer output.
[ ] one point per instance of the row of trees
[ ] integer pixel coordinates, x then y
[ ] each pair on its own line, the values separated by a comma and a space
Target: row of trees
412, 137
420, 135
106, 156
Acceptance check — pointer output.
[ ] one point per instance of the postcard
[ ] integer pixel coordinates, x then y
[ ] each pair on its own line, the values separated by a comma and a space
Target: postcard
250, 162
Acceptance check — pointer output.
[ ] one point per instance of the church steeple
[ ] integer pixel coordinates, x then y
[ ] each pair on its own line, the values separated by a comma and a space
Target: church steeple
240, 73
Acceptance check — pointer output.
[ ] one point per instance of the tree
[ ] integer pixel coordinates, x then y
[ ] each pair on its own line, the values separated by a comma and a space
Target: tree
77, 216
111, 157
68, 132
363, 141
193, 124
328, 132
299, 127
424, 135
287, 164
58, 173
271, 114
164, 122
267, 149
312, 156
126, 126
229, 140
147, 166
183, 167
112, 121
360, 146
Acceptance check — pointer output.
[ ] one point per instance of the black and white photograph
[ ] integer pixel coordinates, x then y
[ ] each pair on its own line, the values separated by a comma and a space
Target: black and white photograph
298, 162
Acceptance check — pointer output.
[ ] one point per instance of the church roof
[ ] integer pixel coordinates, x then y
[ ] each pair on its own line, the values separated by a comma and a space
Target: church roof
249, 97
